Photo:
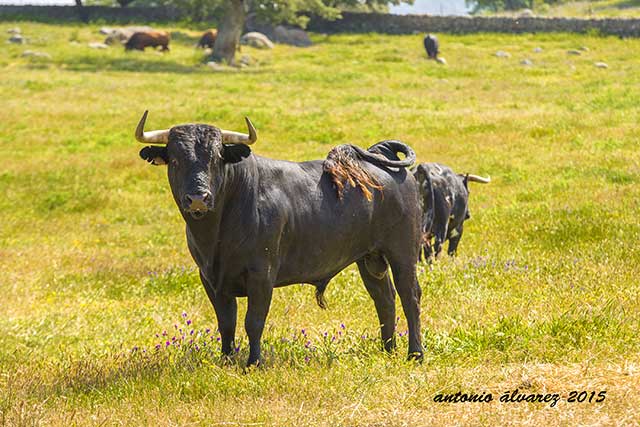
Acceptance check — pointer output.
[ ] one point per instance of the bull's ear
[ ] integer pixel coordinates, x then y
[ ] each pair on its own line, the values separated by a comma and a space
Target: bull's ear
233, 153
155, 155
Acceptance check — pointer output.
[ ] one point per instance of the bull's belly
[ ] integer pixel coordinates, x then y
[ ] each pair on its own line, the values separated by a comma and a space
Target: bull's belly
316, 263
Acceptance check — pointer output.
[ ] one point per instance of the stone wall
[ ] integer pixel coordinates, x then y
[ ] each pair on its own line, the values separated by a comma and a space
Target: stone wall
350, 23
408, 24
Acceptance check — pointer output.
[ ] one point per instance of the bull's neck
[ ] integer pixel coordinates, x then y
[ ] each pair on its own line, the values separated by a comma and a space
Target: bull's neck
226, 226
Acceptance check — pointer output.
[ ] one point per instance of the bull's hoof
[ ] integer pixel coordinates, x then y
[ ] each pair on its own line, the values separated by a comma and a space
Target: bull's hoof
252, 365
416, 356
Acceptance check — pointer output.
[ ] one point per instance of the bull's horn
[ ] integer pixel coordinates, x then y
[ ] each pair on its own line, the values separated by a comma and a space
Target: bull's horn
480, 179
151, 137
231, 137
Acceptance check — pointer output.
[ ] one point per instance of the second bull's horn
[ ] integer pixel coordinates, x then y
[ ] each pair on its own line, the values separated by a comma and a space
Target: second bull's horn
231, 137
151, 137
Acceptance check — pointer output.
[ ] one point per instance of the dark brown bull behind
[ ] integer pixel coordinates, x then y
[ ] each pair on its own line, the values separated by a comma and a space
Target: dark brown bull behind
208, 39
143, 39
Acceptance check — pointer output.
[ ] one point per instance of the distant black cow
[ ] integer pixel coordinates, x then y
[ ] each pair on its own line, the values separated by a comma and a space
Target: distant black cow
432, 46
254, 224
143, 39
445, 205
208, 38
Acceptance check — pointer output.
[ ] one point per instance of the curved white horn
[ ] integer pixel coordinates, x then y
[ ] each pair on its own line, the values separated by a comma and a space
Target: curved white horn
151, 137
231, 137
480, 179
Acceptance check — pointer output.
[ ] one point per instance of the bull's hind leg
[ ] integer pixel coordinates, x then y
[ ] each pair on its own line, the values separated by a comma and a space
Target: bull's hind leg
258, 303
406, 283
454, 240
376, 279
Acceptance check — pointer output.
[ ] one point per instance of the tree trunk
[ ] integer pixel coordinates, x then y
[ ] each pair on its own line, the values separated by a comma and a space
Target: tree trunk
229, 32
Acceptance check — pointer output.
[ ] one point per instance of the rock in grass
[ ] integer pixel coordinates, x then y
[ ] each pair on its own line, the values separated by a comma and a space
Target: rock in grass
601, 65
14, 30
526, 62
257, 40
584, 48
503, 54
17, 39
537, 49
215, 65
35, 54
291, 36
574, 52
441, 60
106, 30
97, 45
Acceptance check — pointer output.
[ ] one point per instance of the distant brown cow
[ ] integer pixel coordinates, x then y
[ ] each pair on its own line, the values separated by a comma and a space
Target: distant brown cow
208, 39
143, 39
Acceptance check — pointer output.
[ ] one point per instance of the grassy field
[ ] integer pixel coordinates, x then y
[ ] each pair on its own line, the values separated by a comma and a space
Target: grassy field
94, 268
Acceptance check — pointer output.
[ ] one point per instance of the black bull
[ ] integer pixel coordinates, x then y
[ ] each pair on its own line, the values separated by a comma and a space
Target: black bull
254, 224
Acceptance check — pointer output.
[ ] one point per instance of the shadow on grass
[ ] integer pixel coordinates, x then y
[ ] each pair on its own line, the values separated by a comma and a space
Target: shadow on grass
89, 63
627, 4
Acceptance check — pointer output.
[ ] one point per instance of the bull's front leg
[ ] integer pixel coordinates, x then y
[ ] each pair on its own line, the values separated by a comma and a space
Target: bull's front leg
226, 309
258, 302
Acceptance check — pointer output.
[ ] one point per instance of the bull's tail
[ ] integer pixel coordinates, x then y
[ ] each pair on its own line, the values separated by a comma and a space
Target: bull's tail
385, 153
476, 178
343, 166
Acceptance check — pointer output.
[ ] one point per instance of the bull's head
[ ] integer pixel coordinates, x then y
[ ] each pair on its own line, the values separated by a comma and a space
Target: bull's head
195, 155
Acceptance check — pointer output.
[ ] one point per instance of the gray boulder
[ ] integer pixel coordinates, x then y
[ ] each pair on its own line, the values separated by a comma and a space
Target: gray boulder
17, 39
121, 35
291, 36
35, 54
257, 40
97, 45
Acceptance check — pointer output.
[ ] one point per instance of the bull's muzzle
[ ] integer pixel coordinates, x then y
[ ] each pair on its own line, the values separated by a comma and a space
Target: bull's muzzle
197, 204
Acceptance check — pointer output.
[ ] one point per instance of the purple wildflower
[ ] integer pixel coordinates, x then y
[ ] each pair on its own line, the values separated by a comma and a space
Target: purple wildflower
342, 326
189, 322
184, 314
167, 344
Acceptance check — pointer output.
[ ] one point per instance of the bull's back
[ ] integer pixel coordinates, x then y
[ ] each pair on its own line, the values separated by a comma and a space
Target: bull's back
319, 233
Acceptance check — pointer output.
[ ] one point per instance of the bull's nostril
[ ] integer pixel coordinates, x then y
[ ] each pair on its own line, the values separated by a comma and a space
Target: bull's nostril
196, 202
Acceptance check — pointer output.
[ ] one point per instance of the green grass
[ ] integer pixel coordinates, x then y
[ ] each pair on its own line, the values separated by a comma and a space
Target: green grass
542, 297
